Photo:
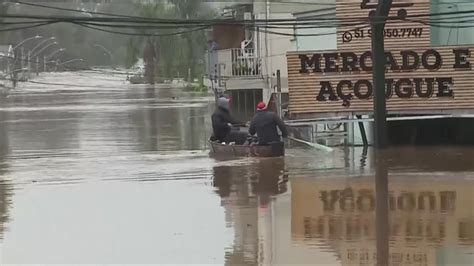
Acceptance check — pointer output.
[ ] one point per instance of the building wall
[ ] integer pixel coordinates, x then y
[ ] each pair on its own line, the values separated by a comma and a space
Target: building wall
282, 6
326, 40
272, 49
446, 36
228, 36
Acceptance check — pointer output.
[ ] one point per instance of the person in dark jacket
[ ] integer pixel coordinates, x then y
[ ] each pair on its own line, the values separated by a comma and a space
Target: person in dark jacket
265, 124
222, 123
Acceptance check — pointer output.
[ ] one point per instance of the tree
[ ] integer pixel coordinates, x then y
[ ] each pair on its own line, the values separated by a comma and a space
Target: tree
177, 54
195, 41
4, 4
80, 42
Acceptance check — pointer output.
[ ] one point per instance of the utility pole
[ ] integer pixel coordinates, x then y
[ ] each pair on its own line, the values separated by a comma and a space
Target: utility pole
278, 76
381, 208
22, 62
37, 66
29, 63
379, 61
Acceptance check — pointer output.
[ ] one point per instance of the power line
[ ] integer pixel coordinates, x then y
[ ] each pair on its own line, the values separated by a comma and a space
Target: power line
74, 10
207, 22
27, 27
141, 34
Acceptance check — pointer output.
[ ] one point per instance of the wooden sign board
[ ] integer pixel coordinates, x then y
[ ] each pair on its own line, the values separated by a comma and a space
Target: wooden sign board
398, 34
419, 78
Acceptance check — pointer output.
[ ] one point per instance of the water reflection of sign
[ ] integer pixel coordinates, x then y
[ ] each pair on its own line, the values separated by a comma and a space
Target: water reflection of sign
341, 214
349, 200
366, 257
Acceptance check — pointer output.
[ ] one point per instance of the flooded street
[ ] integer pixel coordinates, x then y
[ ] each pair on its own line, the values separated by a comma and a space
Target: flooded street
96, 171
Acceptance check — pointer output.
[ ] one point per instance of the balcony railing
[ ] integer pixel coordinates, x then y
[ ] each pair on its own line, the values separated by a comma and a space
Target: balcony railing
245, 63
234, 62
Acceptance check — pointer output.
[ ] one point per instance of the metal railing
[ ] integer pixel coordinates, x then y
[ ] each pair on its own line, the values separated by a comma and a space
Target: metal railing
233, 62
245, 63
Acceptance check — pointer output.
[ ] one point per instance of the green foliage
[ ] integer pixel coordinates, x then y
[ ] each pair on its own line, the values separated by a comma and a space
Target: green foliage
79, 42
3, 10
132, 54
178, 55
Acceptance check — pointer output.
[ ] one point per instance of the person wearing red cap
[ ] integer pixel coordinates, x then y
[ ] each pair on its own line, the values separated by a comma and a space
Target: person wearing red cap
265, 124
261, 106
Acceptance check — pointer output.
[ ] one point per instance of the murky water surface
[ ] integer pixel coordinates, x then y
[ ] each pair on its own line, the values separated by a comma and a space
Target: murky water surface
103, 172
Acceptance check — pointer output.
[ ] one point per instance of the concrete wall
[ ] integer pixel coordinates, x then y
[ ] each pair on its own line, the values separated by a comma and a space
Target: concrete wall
228, 36
446, 36
272, 48
326, 41
282, 6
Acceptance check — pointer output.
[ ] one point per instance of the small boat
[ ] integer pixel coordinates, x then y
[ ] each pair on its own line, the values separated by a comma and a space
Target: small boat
137, 79
276, 149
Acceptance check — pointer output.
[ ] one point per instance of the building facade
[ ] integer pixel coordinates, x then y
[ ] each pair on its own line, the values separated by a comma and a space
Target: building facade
428, 69
246, 61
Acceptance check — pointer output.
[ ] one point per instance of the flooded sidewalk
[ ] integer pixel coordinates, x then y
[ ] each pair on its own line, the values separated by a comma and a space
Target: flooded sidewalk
104, 172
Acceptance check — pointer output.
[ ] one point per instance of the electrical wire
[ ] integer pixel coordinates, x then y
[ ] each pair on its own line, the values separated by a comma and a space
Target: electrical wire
236, 21
141, 34
73, 10
27, 27
327, 22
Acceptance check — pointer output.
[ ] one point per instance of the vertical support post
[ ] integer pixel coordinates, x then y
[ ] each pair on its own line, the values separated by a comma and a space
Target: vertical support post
381, 208
10, 60
268, 71
246, 109
22, 63
14, 75
29, 63
44, 64
37, 66
278, 74
363, 134
22, 57
379, 62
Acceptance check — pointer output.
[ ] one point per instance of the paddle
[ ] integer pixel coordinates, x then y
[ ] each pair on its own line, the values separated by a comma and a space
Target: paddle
313, 145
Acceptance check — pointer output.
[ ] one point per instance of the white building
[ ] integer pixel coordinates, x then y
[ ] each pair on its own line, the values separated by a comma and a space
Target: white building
247, 58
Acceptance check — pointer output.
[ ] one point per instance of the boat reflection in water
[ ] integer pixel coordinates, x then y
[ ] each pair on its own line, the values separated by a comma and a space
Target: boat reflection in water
6, 190
385, 211
246, 194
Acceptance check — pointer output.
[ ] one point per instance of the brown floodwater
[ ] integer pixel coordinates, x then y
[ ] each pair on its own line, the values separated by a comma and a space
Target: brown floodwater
95, 171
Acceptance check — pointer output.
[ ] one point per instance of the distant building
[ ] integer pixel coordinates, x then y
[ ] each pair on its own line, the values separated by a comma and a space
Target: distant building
6, 53
6, 50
